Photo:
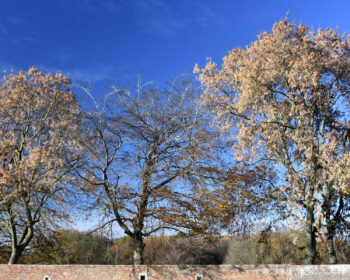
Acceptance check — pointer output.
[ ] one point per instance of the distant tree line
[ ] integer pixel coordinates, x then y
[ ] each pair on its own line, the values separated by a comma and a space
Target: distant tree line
66, 247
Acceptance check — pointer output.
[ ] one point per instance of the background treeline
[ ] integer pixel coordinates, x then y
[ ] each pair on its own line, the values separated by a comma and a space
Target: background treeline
74, 247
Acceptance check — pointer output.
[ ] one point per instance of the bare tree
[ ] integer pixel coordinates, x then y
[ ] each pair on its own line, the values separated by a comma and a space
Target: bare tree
145, 153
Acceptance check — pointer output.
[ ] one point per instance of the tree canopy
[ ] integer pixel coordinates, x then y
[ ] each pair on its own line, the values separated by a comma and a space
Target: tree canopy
146, 150
38, 115
285, 99
156, 160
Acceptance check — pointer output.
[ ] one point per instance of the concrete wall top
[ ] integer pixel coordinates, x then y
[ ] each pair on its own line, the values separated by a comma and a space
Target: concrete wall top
173, 272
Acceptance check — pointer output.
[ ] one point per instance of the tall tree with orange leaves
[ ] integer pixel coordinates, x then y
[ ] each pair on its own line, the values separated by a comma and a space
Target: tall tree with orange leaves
285, 99
37, 119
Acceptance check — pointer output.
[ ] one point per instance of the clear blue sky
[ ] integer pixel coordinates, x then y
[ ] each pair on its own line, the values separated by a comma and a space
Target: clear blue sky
160, 39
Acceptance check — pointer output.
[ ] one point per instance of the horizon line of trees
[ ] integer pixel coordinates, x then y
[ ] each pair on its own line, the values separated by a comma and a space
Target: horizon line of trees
65, 246
266, 136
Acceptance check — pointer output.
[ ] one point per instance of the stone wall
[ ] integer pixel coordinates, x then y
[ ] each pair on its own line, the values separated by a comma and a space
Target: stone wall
186, 272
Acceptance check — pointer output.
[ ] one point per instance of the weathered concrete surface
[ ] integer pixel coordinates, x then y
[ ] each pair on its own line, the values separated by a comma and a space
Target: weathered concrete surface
320, 272
173, 272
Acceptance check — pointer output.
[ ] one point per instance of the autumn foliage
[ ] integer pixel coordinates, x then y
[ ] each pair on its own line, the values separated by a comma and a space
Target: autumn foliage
264, 141
37, 119
285, 99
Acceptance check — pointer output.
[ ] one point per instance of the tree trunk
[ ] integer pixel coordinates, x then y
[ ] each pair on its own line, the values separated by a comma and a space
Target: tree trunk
15, 254
332, 257
18, 247
331, 223
310, 235
139, 219
138, 248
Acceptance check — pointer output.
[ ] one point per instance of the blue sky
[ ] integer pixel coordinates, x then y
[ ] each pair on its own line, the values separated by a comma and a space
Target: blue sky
159, 39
